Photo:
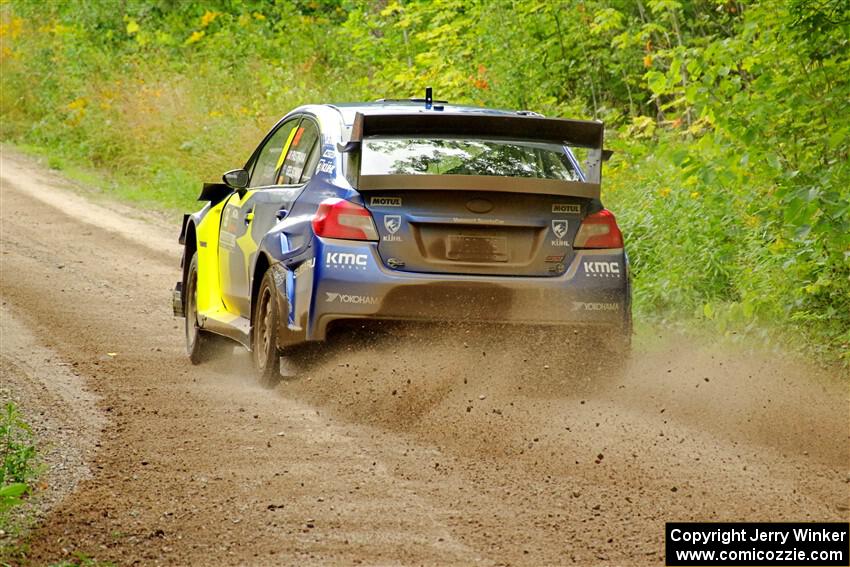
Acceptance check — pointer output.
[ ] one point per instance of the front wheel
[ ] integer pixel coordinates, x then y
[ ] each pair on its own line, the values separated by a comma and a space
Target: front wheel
264, 333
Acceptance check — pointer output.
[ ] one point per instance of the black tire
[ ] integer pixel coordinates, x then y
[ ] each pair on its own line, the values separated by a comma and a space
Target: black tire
198, 342
264, 333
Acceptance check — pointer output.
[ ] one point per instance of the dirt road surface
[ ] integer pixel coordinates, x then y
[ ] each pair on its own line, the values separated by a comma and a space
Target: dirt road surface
420, 448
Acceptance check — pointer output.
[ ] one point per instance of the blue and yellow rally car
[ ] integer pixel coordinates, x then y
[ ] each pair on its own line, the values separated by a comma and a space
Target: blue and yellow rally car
409, 210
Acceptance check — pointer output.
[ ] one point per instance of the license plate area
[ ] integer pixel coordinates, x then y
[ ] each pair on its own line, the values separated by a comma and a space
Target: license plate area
465, 248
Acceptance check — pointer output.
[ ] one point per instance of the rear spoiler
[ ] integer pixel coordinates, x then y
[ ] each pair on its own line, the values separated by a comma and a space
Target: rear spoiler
584, 133
581, 133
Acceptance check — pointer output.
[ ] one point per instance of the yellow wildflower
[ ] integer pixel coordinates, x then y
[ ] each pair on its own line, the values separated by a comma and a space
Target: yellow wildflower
78, 104
195, 37
60, 29
208, 18
13, 28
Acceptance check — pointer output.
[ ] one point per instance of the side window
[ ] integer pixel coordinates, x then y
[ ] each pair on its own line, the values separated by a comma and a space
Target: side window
304, 143
312, 161
269, 159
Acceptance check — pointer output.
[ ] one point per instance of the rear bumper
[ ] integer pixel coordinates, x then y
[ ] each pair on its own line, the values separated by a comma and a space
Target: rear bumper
349, 281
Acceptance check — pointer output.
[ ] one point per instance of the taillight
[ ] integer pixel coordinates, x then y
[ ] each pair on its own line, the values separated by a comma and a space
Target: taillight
337, 218
599, 230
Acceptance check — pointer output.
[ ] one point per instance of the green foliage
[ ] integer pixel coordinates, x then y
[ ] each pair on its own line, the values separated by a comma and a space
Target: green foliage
10, 495
766, 159
731, 176
17, 459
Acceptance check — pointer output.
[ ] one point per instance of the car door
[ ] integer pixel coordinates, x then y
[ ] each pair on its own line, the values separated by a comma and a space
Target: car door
277, 177
237, 245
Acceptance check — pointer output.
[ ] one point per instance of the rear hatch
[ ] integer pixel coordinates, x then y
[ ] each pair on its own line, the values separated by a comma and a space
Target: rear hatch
506, 202
475, 232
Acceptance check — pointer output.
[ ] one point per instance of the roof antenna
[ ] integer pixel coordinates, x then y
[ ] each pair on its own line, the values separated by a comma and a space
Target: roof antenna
429, 99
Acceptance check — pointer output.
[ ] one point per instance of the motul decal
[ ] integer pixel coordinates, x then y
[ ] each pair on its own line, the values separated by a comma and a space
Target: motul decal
385, 201
566, 209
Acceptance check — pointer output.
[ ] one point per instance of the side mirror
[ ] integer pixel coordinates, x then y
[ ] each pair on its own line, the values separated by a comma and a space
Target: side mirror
236, 179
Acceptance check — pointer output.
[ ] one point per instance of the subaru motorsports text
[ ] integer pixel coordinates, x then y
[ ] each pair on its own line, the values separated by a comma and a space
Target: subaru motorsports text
402, 211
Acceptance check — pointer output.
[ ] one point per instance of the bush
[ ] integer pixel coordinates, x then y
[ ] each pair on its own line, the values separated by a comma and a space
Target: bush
18, 459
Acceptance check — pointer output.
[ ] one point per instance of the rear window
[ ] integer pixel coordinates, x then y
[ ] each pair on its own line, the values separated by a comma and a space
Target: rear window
454, 156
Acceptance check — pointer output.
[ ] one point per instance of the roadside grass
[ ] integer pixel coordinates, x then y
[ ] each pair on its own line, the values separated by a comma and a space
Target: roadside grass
19, 467
171, 191
18, 457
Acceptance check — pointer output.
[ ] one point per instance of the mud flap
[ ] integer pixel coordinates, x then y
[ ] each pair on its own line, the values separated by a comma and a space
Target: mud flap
288, 368
177, 300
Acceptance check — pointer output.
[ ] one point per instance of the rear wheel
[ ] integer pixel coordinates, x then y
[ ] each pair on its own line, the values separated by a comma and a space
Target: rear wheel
264, 334
198, 341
